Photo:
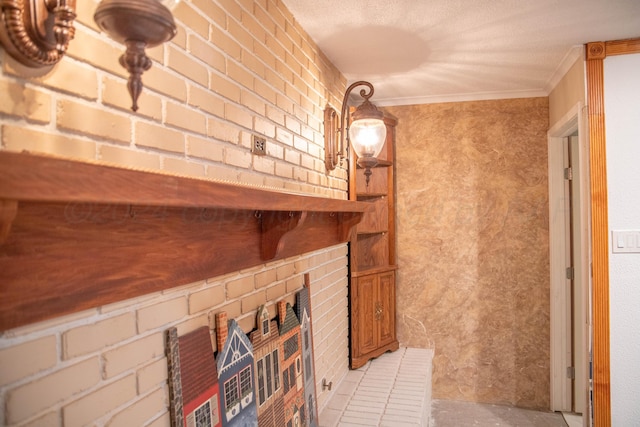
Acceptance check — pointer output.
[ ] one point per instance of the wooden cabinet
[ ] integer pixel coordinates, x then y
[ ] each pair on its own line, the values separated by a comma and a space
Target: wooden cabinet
373, 312
372, 253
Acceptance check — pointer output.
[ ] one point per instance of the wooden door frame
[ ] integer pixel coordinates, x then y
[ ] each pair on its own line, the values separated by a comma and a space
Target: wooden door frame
560, 295
596, 52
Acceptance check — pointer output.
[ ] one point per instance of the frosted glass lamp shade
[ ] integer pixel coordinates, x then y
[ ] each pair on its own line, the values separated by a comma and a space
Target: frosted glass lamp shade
367, 137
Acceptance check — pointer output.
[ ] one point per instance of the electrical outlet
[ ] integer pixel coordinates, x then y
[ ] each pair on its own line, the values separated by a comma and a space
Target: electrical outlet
259, 145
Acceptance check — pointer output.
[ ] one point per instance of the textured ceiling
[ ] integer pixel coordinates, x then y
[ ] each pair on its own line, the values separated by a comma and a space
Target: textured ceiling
421, 51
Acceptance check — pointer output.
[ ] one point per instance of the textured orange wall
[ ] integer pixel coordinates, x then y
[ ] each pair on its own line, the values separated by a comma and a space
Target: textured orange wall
473, 251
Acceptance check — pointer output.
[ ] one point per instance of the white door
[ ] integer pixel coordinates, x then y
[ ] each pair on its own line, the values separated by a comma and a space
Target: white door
575, 280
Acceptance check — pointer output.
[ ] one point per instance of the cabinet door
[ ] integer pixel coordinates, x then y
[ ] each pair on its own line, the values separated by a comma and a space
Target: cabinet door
386, 308
364, 298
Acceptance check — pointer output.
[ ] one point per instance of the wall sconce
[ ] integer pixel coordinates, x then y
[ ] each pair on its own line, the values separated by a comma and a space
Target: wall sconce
366, 133
137, 24
37, 32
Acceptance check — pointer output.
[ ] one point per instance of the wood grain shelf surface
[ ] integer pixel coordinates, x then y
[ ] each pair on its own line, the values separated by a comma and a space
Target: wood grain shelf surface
370, 196
380, 164
77, 235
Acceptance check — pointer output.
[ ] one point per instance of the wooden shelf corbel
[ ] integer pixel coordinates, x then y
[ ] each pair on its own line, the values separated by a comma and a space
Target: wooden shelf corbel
77, 235
274, 227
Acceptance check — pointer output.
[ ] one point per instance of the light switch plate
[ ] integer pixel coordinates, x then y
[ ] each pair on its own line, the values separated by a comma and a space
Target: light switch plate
625, 241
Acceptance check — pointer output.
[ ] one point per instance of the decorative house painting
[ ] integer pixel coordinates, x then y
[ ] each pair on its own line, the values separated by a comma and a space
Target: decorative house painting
266, 379
292, 382
266, 352
235, 374
303, 312
193, 379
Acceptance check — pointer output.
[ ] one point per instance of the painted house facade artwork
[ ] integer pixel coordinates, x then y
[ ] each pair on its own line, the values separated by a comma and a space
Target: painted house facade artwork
193, 379
292, 381
266, 352
303, 312
265, 378
235, 363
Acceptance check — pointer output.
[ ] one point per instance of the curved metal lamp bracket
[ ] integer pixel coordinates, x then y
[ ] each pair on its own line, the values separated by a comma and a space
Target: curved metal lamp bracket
332, 153
37, 32
336, 128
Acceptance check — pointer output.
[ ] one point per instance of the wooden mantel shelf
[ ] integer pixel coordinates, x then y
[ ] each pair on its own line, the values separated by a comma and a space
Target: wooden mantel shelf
76, 235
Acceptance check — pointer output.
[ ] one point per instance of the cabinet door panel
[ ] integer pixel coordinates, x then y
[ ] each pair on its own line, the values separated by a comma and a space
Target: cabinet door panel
386, 298
364, 312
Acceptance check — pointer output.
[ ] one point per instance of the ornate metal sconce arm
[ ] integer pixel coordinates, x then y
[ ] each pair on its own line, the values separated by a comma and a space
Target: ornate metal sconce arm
344, 116
24, 31
63, 29
331, 129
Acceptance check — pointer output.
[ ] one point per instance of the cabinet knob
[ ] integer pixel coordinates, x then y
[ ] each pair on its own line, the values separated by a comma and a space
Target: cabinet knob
379, 311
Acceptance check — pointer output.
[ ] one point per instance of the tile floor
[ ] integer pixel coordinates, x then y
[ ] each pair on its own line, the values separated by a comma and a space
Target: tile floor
394, 390
391, 391
449, 413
